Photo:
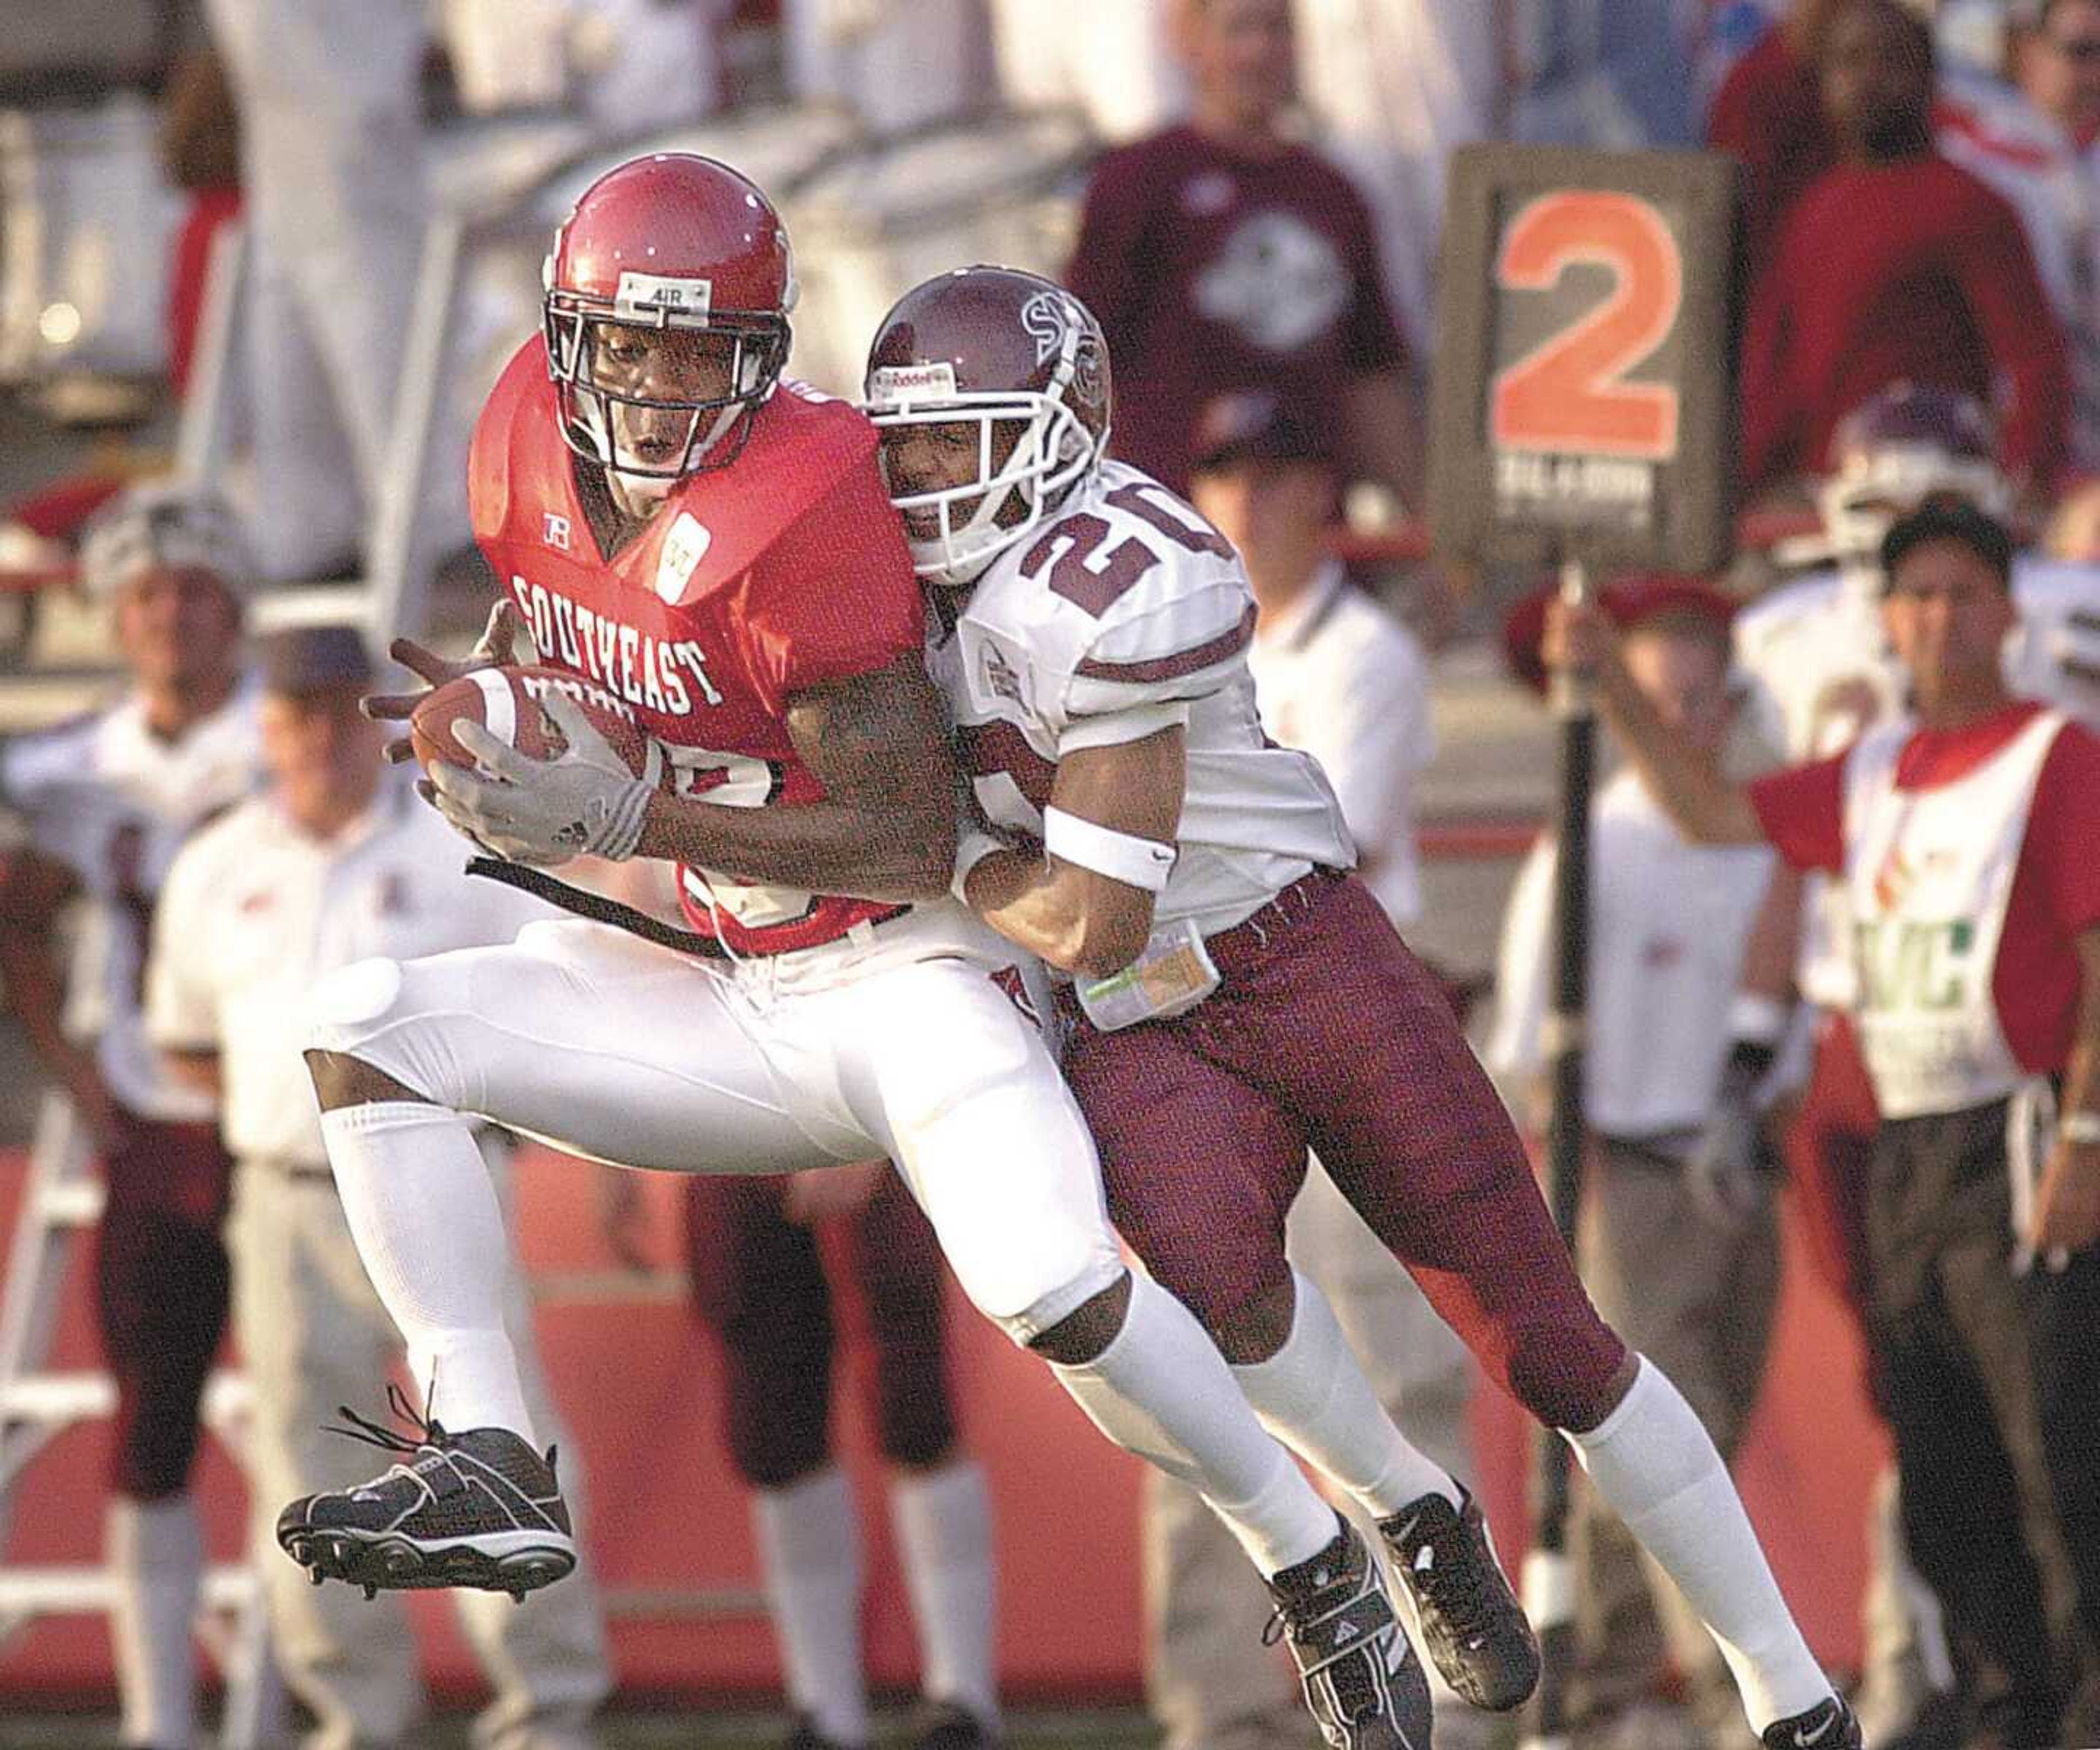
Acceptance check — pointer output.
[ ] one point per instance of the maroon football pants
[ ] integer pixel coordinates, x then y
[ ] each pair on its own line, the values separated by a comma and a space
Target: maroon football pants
759, 1282
1326, 1032
161, 1282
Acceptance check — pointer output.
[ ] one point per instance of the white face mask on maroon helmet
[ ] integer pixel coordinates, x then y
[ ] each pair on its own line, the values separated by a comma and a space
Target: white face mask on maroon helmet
1019, 362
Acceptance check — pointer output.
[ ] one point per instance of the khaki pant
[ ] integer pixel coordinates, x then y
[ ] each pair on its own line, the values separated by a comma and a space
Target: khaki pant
1210, 1683
314, 1335
1692, 1288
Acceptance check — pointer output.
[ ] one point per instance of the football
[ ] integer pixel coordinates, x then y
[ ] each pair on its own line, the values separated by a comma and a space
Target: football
506, 702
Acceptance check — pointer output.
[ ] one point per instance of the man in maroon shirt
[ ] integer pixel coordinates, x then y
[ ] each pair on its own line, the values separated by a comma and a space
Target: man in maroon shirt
1895, 264
1222, 255
1963, 839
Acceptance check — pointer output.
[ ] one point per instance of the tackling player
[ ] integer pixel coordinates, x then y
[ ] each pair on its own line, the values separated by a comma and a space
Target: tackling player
714, 544
1235, 995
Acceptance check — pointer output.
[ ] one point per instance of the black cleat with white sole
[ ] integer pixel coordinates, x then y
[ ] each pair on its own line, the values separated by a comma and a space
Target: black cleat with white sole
1363, 1685
1828, 1726
1472, 1627
479, 1510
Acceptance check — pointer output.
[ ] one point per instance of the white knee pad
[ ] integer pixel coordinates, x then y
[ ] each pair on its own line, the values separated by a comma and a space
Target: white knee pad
1047, 1311
390, 1015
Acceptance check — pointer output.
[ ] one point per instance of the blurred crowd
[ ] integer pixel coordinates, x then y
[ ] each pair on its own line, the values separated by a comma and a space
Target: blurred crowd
1259, 235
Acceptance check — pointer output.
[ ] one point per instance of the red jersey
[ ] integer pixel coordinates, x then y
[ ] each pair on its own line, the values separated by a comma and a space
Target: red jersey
1885, 272
2056, 885
782, 570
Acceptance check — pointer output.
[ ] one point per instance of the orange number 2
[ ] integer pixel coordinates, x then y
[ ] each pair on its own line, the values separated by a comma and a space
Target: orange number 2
1568, 393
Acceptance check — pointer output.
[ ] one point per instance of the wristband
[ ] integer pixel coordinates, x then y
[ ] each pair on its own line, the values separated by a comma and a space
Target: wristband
2079, 1128
1755, 1018
973, 846
1122, 857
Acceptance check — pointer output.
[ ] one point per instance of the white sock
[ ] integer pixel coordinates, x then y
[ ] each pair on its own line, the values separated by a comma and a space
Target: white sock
1161, 1390
1656, 1467
808, 1548
430, 1231
154, 1552
942, 1519
1311, 1395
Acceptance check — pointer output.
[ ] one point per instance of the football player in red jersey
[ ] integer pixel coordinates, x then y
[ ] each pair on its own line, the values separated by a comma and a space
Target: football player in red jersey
715, 546
1233, 995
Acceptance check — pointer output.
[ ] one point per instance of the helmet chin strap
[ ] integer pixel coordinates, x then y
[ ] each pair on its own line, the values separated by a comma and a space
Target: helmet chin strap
642, 488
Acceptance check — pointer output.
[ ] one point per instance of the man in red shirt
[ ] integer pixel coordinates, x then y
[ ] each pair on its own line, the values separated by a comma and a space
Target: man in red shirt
713, 545
1223, 255
1895, 264
1962, 839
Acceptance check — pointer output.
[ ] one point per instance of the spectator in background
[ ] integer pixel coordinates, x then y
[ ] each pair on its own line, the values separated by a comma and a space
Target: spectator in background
629, 65
1961, 838
106, 800
893, 63
1113, 60
1222, 255
332, 158
2033, 141
1338, 677
759, 1282
1679, 1244
1896, 264
337, 862
1397, 86
1769, 113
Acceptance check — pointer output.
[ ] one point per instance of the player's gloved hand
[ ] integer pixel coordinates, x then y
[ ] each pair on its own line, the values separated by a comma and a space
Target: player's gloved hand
495, 647
583, 802
1729, 1170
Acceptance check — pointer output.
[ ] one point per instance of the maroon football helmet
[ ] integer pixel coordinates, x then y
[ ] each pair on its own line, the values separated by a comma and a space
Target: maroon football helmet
1021, 360
685, 247
1894, 450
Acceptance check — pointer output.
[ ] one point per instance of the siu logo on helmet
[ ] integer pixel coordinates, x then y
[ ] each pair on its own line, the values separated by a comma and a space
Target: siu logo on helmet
1048, 318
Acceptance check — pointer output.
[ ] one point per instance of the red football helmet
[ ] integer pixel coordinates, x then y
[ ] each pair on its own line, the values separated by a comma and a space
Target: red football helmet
1023, 360
667, 300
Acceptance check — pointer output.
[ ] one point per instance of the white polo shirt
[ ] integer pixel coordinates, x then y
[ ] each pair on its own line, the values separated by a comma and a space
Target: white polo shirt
113, 801
1668, 919
254, 912
1338, 675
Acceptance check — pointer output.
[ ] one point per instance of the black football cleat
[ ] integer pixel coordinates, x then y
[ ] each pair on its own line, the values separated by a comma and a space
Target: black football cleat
479, 1510
1363, 1685
1828, 1726
1472, 1627
950, 1725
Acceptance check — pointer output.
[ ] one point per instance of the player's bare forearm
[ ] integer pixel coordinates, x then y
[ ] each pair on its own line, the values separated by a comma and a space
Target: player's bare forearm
1775, 938
885, 830
1073, 917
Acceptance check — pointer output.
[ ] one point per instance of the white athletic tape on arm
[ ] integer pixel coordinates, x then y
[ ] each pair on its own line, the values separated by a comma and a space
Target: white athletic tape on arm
971, 847
1120, 856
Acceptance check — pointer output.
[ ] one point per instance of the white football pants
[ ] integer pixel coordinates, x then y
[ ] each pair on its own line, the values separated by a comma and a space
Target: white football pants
901, 1045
